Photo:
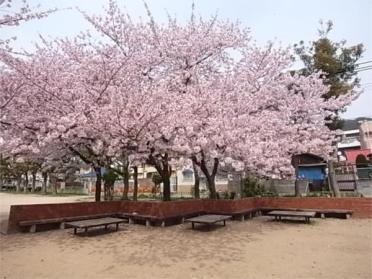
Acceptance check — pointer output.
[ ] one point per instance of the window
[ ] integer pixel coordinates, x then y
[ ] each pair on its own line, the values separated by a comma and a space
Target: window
188, 175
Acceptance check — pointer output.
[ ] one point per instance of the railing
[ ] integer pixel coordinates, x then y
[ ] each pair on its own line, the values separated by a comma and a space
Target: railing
352, 177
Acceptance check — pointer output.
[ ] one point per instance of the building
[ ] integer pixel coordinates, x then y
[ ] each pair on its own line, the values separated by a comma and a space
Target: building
365, 130
354, 139
185, 181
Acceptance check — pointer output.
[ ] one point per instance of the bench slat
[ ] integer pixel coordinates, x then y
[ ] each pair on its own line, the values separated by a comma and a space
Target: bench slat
94, 222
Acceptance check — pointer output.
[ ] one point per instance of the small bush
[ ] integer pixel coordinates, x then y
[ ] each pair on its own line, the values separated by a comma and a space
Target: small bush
142, 196
251, 187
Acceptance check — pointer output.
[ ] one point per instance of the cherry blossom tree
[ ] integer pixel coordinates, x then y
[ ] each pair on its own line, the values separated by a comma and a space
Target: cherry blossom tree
11, 16
166, 94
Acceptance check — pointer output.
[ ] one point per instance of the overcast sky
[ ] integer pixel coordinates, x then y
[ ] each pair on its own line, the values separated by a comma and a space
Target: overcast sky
283, 21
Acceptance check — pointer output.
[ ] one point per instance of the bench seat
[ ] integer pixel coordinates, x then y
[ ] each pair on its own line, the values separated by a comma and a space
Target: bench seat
278, 214
320, 212
33, 223
97, 222
157, 220
208, 219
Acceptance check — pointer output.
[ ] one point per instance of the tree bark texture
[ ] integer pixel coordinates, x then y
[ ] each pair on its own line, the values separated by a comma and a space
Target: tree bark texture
135, 185
98, 183
196, 180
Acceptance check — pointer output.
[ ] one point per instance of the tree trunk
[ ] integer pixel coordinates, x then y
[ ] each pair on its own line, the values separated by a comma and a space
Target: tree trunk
297, 188
108, 191
212, 187
211, 177
197, 181
135, 184
165, 171
297, 184
26, 182
98, 183
33, 181
2, 183
125, 181
55, 190
166, 188
53, 183
105, 191
45, 181
18, 185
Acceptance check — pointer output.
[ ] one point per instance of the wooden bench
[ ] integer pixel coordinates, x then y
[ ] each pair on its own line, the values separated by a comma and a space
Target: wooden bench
242, 214
209, 219
278, 214
90, 223
133, 217
322, 213
151, 219
62, 220
33, 223
239, 214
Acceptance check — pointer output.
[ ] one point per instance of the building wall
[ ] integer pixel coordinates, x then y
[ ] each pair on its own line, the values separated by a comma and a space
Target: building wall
348, 139
366, 134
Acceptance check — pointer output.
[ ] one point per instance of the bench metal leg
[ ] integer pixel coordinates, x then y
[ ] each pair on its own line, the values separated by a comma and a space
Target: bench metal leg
147, 223
75, 230
163, 224
105, 227
117, 226
62, 226
192, 225
242, 218
224, 223
183, 220
86, 229
33, 229
130, 221
322, 215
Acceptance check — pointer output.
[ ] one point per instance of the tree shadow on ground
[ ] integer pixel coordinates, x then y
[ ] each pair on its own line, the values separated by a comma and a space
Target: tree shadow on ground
290, 221
93, 232
205, 228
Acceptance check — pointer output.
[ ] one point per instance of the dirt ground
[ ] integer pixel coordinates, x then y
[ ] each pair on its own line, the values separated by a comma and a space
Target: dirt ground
257, 248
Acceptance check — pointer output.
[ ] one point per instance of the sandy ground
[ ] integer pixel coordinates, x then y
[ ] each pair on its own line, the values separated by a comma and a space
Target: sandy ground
258, 248
8, 199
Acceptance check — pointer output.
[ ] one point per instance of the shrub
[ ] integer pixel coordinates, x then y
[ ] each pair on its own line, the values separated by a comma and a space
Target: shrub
251, 187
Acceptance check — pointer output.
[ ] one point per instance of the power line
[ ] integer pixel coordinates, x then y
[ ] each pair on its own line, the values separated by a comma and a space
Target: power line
367, 69
365, 62
362, 68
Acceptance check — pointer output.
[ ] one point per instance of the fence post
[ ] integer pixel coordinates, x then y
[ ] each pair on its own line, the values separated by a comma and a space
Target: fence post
332, 179
355, 177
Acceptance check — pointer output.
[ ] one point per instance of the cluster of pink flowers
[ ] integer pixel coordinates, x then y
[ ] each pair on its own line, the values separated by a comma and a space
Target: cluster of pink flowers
201, 90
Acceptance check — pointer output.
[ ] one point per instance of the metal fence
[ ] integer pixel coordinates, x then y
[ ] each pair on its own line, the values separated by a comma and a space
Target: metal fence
352, 177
